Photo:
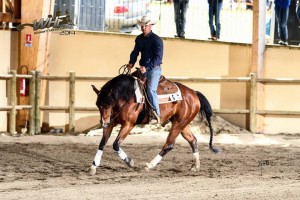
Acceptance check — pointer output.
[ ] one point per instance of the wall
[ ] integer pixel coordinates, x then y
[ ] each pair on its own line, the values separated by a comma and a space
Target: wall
8, 60
98, 54
282, 62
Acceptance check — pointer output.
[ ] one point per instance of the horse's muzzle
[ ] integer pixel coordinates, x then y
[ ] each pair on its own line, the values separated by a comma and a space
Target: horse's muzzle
105, 124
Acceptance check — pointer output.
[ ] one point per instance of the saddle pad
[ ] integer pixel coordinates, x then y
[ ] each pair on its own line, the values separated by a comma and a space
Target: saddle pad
166, 98
162, 98
139, 97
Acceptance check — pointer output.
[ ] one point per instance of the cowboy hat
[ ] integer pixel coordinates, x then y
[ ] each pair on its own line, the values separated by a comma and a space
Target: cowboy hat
145, 20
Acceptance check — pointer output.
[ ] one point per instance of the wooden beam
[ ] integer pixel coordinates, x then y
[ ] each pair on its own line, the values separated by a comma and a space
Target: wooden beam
10, 11
17, 9
258, 51
9, 6
258, 37
6, 17
35, 57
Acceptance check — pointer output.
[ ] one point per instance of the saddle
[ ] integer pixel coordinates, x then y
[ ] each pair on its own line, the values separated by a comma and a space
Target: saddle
167, 91
165, 86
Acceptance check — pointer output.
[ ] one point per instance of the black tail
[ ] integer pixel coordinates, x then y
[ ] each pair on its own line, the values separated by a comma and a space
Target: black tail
207, 112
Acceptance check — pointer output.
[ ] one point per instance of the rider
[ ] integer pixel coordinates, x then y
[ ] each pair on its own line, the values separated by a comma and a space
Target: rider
151, 47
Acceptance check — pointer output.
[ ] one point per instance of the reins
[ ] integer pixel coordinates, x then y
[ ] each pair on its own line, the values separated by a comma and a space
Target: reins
126, 71
120, 110
139, 77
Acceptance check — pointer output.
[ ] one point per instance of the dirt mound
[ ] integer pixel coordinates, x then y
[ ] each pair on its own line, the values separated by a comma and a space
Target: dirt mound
219, 125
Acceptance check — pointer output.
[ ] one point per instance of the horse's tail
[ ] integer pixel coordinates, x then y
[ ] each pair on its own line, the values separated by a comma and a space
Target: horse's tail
206, 111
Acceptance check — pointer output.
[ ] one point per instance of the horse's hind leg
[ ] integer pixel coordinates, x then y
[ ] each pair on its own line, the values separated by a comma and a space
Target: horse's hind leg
168, 146
192, 140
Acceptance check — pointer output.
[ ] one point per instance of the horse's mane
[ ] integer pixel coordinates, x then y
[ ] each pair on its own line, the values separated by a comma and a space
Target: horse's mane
119, 88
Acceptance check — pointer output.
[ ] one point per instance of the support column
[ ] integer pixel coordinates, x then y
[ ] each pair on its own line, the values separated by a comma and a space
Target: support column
258, 50
34, 55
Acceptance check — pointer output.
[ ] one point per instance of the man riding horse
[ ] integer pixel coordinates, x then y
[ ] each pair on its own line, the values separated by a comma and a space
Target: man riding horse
151, 47
117, 103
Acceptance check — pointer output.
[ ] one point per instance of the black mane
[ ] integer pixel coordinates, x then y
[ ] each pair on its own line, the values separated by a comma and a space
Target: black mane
119, 88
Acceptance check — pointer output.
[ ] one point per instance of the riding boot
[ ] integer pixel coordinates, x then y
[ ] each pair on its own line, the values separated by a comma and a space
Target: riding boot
156, 120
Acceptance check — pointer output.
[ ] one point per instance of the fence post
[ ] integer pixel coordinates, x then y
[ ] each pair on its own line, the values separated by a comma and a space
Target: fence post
13, 99
72, 102
253, 102
32, 103
37, 103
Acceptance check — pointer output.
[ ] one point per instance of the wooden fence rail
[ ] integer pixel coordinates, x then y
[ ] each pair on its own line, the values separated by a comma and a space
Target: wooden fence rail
35, 108
12, 100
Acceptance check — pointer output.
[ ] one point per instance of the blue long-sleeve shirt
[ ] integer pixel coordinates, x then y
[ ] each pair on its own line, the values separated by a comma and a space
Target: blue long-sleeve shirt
151, 48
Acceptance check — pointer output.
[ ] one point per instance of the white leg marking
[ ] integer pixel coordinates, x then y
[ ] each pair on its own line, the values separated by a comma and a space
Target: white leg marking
196, 165
154, 162
122, 154
97, 158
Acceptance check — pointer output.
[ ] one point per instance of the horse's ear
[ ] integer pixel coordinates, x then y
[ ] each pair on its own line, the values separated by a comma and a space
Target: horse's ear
95, 89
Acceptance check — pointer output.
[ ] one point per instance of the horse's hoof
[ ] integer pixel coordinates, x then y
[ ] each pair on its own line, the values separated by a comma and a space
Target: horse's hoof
92, 170
129, 162
195, 168
148, 167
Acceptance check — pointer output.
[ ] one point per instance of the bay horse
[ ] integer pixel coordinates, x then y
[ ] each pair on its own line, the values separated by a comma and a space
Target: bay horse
117, 105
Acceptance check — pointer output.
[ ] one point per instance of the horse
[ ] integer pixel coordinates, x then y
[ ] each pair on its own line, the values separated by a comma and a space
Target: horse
116, 101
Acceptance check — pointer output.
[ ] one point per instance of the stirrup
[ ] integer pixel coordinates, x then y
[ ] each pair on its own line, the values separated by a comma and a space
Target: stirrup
155, 121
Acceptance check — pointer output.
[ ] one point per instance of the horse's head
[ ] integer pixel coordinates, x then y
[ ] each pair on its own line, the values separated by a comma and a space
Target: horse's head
113, 96
104, 103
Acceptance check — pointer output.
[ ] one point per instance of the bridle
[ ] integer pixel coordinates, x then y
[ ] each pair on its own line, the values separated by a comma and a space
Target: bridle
126, 71
119, 111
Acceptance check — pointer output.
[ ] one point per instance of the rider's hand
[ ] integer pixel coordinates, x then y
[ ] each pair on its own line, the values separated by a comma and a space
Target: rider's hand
143, 69
129, 66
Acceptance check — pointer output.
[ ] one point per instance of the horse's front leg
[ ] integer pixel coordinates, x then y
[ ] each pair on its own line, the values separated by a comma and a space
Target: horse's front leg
124, 131
97, 160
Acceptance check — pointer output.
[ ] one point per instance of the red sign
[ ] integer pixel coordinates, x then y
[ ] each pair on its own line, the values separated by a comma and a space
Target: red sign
28, 40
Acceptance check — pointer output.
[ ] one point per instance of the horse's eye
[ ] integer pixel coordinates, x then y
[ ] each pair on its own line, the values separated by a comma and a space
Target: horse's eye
105, 106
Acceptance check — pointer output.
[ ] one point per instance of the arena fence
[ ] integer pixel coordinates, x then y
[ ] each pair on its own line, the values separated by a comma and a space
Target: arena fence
35, 108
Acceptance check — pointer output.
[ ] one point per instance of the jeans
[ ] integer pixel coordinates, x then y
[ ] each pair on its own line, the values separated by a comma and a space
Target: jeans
268, 27
214, 10
180, 9
282, 18
298, 12
152, 81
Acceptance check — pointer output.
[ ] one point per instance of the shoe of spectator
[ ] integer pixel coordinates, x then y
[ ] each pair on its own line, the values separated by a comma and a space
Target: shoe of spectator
181, 35
280, 42
285, 43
